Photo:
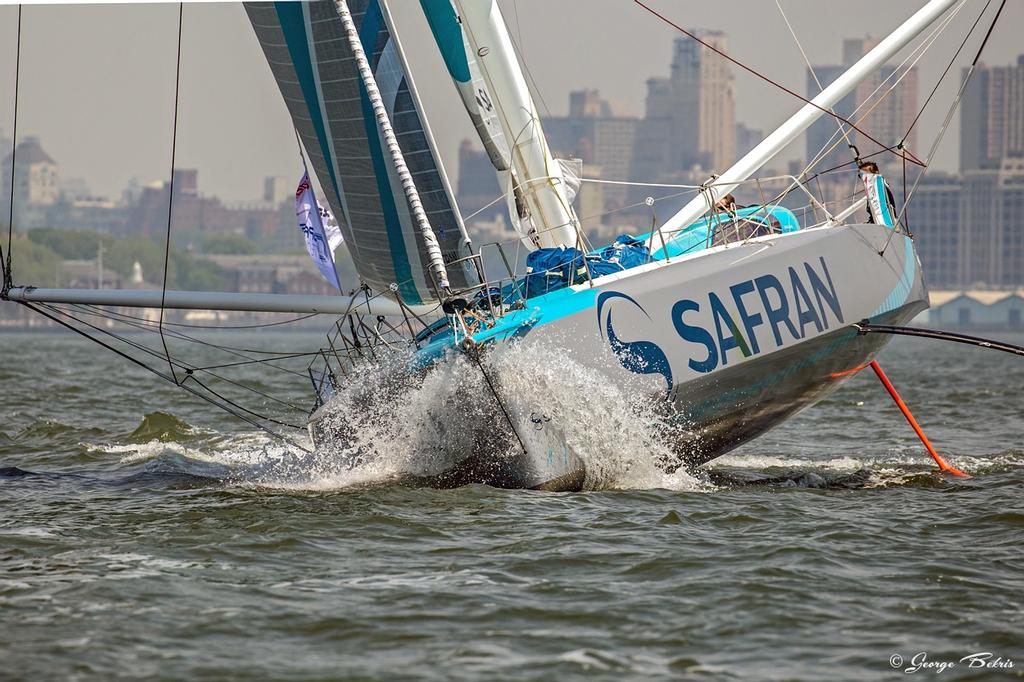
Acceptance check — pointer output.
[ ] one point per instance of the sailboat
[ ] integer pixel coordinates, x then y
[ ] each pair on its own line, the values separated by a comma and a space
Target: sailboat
724, 322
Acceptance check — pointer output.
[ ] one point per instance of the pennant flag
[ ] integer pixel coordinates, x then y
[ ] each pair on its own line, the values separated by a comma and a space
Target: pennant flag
321, 231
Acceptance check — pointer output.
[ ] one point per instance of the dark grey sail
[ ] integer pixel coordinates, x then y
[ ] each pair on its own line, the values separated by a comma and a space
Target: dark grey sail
313, 65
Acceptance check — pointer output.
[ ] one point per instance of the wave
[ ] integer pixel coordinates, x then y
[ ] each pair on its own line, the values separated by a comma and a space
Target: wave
49, 429
164, 427
901, 467
257, 461
390, 425
395, 424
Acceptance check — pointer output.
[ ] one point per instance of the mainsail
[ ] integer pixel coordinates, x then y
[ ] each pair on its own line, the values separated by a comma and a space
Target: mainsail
314, 67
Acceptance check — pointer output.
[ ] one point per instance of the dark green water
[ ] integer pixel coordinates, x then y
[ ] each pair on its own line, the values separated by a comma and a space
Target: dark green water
144, 535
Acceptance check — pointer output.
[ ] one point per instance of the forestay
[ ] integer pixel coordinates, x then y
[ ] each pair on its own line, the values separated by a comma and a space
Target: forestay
313, 65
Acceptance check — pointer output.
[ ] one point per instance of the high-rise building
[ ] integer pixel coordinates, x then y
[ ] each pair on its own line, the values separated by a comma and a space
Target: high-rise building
587, 103
196, 214
689, 126
826, 144
747, 139
883, 106
992, 116
992, 225
855, 48
590, 132
934, 218
970, 230
651, 153
277, 189
5, 143
703, 115
186, 182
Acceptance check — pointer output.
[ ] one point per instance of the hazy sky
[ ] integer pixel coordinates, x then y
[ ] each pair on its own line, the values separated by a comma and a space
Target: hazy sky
97, 81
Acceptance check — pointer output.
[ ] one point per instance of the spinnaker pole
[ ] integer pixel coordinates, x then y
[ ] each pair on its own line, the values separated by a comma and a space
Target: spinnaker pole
802, 119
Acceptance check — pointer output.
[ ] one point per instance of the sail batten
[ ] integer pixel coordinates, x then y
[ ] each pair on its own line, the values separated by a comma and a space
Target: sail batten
314, 66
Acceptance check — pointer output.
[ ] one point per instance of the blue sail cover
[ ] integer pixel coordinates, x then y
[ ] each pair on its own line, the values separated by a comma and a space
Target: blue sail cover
310, 58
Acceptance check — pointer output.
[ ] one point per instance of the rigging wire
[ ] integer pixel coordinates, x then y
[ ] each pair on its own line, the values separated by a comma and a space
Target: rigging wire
8, 277
164, 376
756, 73
170, 190
949, 113
871, 103
988, 34
187, 367
810, 68
914, 57
230, 350
945, 72
516, 45
473, 351
189, 371
68, 319
833, 142
187, 325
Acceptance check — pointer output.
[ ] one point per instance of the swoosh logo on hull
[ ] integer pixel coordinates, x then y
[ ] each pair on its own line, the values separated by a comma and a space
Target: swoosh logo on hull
639, 357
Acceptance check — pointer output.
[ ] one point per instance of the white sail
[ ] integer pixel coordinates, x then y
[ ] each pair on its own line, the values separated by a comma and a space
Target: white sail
462, 65
474, 41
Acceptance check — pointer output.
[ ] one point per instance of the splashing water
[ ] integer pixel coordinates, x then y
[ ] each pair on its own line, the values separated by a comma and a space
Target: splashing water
613, 429
387, 423
390, 424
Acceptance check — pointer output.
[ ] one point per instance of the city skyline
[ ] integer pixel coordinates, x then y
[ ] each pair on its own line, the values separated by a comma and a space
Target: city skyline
228, 98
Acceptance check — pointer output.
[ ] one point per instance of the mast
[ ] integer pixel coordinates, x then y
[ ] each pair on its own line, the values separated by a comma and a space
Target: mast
803, 118
437, 266
535, 171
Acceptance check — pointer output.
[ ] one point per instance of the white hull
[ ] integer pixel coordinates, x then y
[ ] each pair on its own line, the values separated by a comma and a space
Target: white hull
724, 344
